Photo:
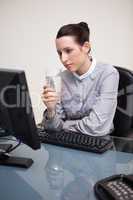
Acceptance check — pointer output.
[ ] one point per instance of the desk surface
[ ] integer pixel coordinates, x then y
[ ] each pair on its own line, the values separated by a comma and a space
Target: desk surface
60, 173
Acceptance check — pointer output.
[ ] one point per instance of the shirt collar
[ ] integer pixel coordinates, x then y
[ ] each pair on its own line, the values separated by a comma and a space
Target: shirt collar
90, 70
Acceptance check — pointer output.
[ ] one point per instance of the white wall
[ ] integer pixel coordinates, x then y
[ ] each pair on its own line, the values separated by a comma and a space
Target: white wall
28, 29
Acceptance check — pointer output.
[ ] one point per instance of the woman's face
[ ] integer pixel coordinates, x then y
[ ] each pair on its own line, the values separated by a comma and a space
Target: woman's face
72, 55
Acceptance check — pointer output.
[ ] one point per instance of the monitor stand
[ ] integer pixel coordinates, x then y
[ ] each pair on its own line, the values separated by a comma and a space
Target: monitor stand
7, 159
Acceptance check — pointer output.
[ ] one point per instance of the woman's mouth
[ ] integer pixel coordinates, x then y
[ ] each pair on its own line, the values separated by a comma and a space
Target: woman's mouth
69, 65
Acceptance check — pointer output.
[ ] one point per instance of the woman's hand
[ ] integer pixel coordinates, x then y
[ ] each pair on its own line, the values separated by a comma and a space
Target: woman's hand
50, 99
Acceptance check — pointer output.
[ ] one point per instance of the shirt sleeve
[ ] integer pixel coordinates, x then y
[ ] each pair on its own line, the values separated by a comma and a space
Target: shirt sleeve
55, 123
100, 119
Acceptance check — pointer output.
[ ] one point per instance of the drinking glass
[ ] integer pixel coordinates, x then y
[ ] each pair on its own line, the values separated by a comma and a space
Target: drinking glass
53, 80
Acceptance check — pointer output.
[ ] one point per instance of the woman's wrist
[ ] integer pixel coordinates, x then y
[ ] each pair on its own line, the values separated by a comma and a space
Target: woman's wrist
50, 114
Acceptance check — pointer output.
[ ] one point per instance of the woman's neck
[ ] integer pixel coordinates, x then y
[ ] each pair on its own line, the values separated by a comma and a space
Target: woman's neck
85, 67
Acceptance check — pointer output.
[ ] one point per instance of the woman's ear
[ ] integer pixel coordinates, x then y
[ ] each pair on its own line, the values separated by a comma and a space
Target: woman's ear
86, 47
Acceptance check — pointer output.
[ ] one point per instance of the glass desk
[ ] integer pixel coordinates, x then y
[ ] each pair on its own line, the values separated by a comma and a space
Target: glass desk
63, 174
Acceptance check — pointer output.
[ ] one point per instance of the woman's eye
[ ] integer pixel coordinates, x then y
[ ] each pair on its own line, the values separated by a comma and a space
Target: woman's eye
68, 50
59, 53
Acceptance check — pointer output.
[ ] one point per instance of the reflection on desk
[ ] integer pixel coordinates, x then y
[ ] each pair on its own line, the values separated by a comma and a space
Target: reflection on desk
64, 174
72, 175
123, 144
12, 187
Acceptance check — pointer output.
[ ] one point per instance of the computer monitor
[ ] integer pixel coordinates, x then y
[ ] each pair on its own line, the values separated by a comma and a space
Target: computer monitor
16, 113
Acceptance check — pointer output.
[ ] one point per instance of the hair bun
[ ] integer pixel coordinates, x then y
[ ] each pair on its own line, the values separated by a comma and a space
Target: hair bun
84, 25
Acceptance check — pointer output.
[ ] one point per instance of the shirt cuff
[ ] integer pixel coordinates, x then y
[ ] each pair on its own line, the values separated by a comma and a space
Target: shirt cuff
70, 125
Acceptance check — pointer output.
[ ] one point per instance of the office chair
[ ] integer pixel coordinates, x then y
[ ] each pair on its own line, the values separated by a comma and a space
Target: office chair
123, 119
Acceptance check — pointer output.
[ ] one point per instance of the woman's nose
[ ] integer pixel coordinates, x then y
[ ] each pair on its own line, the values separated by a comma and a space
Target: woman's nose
64, 58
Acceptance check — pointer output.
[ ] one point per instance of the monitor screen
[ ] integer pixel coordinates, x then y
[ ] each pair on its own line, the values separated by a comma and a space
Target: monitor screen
16, 113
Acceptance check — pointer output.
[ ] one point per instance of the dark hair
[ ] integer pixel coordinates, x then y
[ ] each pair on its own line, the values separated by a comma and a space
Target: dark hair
80, 31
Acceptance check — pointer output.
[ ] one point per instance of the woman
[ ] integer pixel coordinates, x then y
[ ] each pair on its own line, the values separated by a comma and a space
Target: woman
89, 89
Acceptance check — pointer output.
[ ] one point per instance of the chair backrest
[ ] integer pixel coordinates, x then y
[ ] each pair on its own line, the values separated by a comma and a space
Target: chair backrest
123, 119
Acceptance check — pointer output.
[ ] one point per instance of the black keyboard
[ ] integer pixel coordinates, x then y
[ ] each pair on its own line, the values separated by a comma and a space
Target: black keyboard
75, 140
